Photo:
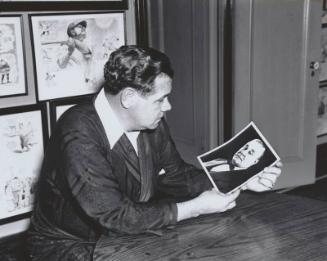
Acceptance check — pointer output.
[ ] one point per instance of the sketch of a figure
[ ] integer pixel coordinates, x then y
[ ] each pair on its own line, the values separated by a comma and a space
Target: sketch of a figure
19, 193
14, 191
78, 48
25, 133
110, 44
45, 28
4, 71
9, 73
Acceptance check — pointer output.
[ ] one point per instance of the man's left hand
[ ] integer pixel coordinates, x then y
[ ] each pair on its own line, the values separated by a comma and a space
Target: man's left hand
265, 180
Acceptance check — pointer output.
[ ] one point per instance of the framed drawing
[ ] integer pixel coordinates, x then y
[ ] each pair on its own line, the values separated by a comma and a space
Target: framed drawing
44, 5
70, 51
23, 134
58, 107
322, 112
12, 62
323, 63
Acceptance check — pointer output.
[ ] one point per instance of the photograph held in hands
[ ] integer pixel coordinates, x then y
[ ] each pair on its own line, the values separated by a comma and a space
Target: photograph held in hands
238, 160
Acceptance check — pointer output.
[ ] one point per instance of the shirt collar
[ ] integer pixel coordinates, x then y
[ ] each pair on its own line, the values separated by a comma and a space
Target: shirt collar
113, 128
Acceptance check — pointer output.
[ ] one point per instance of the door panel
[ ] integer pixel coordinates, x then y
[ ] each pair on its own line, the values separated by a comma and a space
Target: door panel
182, 30
273, 82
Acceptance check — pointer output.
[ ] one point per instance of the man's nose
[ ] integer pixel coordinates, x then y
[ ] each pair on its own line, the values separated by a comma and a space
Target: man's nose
166, 106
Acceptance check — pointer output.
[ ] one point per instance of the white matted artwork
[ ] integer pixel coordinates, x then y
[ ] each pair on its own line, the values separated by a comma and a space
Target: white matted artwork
22, 147
12, 69
322, 112
323, 63
71, 49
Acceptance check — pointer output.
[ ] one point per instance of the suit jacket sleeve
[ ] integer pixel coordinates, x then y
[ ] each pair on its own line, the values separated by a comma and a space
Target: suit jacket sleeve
181, 180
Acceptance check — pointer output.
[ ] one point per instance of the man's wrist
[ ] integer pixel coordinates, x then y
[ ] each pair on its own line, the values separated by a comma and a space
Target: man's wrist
187, 209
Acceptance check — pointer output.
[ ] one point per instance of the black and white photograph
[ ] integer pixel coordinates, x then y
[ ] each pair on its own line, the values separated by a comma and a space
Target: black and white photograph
145, 130
70, 51
12, 63
22, 145
241, 158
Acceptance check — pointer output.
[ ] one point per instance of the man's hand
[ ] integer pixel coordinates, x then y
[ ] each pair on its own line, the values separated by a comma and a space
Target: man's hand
265, 180
71, 45
208, 202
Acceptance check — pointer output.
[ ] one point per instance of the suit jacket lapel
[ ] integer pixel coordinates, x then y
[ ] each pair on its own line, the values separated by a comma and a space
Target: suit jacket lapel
146, 166
125, 147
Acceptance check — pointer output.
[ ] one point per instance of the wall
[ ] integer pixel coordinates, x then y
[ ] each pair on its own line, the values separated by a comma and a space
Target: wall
21, 225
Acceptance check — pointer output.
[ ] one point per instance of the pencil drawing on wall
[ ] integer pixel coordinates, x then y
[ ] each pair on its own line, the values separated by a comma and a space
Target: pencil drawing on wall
12, 70
70, 51
22, 145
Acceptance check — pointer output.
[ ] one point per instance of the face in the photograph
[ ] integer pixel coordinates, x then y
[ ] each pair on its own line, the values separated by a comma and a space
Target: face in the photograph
249, 154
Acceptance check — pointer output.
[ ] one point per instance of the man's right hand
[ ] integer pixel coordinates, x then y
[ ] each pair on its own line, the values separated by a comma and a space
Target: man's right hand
207, 202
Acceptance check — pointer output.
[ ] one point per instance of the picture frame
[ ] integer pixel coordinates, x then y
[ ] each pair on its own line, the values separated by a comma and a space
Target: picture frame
71, 49
78, 5
58, 107
323, 60
322, 112
12, 57
23, 136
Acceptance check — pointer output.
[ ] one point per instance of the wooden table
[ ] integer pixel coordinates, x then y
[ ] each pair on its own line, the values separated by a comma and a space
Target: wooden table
265, 227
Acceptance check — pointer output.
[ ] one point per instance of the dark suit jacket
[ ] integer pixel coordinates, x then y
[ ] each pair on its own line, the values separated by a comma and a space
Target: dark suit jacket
87, 188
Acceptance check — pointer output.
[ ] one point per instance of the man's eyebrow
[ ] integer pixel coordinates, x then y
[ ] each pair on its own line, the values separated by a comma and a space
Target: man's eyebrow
162, 97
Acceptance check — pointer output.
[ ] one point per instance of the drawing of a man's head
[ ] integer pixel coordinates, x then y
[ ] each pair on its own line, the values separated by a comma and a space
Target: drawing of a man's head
77, 30
249, 154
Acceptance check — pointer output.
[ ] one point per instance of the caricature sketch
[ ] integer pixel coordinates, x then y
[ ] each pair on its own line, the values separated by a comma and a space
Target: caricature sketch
12, 80
21, 144
70, 51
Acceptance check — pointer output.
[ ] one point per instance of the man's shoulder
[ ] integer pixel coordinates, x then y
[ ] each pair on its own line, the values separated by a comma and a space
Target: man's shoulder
79, 115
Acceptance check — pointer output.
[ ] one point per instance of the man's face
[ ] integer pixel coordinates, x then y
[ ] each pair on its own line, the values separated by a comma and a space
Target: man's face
149, 109
249, 154
80, 32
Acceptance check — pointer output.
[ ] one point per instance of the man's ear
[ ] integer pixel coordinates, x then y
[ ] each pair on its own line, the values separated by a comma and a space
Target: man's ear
128, 97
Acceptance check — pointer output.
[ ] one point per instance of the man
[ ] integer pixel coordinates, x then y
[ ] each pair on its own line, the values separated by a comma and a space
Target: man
244, 158
78, 51
101, 169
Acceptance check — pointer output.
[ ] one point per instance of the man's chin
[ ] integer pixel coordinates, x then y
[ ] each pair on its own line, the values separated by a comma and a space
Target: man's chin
154, 126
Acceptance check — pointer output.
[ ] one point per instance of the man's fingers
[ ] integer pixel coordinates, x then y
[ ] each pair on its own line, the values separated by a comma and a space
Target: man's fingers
267, 183
279, 164
272, 170
231, 205
271, 176
233, 196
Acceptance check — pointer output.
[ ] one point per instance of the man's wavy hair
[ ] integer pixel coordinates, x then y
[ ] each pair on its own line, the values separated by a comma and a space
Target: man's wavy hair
135, 67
